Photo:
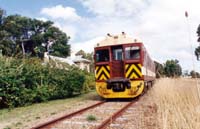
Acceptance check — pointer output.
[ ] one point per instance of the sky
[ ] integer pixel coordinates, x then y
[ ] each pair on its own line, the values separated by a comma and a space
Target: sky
160, 24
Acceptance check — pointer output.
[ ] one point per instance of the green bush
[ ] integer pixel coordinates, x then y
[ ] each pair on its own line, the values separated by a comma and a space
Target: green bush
27, 81
89, 83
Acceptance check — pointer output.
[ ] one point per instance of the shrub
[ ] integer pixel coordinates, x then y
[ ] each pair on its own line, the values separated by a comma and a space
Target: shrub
27, 81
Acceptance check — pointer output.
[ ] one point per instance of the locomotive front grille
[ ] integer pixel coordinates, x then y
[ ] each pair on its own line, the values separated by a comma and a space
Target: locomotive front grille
118, 85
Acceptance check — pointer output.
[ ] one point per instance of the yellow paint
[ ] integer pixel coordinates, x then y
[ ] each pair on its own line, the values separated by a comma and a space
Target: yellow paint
133, 74
102, 69
134, 91
129, 70
136, 69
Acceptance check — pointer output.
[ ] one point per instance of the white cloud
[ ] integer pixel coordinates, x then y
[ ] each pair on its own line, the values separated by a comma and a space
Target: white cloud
68, 29
42, 19
161, 25
87, 46
114, 7
60, 12
64, 18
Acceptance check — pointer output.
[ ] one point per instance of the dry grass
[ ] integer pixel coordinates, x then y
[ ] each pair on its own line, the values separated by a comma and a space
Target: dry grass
178, 103
29, 116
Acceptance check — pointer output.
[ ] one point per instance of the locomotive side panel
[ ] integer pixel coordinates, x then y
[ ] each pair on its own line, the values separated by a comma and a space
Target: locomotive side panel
148, 69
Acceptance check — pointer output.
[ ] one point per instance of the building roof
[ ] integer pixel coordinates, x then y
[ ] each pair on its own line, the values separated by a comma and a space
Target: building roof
79, 59
64, 60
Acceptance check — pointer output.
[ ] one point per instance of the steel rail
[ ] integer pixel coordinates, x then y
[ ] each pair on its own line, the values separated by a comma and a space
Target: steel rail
47, 124
108, 121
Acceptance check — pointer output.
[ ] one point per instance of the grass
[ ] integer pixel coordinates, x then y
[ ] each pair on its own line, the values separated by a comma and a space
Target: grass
37, 112
178, 103
91, 118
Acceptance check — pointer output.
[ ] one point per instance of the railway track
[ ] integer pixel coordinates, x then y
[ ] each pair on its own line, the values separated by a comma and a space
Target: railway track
106, 112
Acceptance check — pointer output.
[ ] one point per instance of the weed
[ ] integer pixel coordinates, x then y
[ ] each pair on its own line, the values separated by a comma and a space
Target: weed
53, 113
91, 118
7, 128
37, 117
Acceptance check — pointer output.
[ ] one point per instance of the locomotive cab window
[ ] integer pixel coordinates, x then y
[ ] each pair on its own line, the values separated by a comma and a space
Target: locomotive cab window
132, 52
102, 55
117, 53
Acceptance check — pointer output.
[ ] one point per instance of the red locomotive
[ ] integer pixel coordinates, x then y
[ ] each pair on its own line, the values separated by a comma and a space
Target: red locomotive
123, 68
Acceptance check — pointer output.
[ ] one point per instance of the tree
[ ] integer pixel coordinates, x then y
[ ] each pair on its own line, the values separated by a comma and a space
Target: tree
81, 53
2, 15
197, 50
159, 69
25, 36
172, 68
194, 74
88, 56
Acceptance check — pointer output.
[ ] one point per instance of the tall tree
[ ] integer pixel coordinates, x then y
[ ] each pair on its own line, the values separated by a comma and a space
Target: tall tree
25, 36
81, 53
197, 50
172, 68
159, 69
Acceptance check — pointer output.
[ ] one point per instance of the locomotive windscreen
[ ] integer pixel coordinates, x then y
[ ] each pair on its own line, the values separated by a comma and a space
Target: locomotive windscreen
132, 53
102, 55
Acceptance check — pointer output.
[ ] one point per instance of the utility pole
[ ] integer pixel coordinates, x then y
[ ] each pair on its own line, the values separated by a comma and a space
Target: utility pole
192, 52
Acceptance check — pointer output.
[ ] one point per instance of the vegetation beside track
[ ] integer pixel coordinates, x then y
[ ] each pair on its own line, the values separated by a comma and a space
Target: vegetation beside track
178, 103
28, 116
27, 81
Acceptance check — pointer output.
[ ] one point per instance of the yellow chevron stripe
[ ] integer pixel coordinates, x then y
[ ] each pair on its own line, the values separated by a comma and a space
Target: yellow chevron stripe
108, 67
103, 77
106, 72
126, 66
133, 66
102, 69
97, 67
129, 70
133, 75
140, 66
137, 70
99, 72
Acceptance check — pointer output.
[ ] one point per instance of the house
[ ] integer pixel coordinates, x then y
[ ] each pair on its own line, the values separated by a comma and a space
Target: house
82, 63
78, 61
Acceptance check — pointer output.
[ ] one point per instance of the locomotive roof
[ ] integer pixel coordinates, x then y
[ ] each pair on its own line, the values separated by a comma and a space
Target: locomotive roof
116, 39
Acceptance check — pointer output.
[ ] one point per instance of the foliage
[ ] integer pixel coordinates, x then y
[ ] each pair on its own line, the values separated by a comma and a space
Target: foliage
26, 81
21, 35
91, 118
159, 69
89, 83
172, 68
194, 74
197, 50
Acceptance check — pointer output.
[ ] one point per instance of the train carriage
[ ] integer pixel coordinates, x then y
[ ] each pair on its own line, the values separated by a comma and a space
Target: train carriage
123, 68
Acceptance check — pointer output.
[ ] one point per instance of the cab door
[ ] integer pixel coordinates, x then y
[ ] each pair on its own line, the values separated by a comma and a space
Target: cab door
117, 61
